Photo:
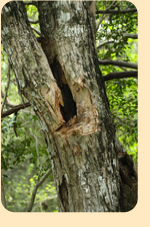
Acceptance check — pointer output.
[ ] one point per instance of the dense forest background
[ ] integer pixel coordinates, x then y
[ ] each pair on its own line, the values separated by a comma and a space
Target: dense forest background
24, 157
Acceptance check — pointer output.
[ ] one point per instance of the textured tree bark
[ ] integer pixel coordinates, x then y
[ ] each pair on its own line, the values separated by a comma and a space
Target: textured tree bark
62, 81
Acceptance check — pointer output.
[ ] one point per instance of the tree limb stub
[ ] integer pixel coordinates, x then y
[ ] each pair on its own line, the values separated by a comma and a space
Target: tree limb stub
120, 75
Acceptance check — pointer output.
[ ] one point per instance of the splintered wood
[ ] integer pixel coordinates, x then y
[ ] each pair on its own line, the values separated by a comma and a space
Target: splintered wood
53, 99
86, 121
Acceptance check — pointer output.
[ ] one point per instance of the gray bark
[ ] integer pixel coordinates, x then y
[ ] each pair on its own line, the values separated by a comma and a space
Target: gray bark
132, 36
118, 63
62, 81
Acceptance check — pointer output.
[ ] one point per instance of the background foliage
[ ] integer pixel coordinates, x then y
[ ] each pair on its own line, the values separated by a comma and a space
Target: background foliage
23, 154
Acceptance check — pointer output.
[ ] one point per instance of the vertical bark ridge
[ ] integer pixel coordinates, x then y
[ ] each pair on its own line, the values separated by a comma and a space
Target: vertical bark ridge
81, 139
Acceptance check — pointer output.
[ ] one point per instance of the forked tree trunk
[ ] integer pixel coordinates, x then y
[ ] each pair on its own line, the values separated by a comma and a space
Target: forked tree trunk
62, 81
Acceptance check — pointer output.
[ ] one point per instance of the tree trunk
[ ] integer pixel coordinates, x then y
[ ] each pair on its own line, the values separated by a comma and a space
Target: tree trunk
62, 81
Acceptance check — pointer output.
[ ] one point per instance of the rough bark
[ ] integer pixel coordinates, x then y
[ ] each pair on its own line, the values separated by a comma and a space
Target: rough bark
62, 81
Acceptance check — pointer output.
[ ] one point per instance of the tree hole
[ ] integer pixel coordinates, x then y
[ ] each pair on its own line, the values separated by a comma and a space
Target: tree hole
69, 109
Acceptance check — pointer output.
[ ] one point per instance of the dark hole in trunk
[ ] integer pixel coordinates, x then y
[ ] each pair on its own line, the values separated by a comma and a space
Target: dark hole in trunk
69, 109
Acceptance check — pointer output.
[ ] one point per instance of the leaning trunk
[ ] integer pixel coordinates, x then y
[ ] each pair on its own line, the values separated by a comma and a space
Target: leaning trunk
62, 81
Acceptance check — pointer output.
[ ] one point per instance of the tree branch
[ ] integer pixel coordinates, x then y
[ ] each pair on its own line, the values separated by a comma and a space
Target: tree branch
38, 32
103, 16
112, 76
116, 11
36, 141
100, 21
6, 89
132, 36
33, 21
105, 42
118, 63
15, 119
15, 109
47, 198
29, 208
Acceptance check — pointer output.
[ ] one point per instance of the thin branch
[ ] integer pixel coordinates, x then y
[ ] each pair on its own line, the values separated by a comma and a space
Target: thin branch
38, 184
100, 21
132, 36
47, 198
29, 208
44, 177
15, 119
103, 16
36, 141
15, 109
33, 21
118, 63
38, 32
123, 122
6, 89
120, 75
116, 11
8, 103
105, 42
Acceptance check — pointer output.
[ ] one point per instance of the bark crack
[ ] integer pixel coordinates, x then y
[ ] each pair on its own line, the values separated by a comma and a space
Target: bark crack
63, 192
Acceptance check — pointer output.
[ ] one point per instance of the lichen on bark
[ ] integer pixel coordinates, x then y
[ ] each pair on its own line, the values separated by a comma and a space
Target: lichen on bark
62, 80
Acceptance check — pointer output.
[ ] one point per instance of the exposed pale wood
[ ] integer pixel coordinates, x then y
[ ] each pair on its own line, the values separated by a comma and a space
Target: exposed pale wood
64, 85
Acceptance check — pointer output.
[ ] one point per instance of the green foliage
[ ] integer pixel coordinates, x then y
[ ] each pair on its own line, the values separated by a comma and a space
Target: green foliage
122, 93
19, 188
19, 155
114, 27
20, 164
32, 13
13, 91
15, 149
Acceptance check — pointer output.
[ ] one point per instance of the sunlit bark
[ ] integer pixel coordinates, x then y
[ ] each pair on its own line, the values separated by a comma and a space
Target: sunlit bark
62, 81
